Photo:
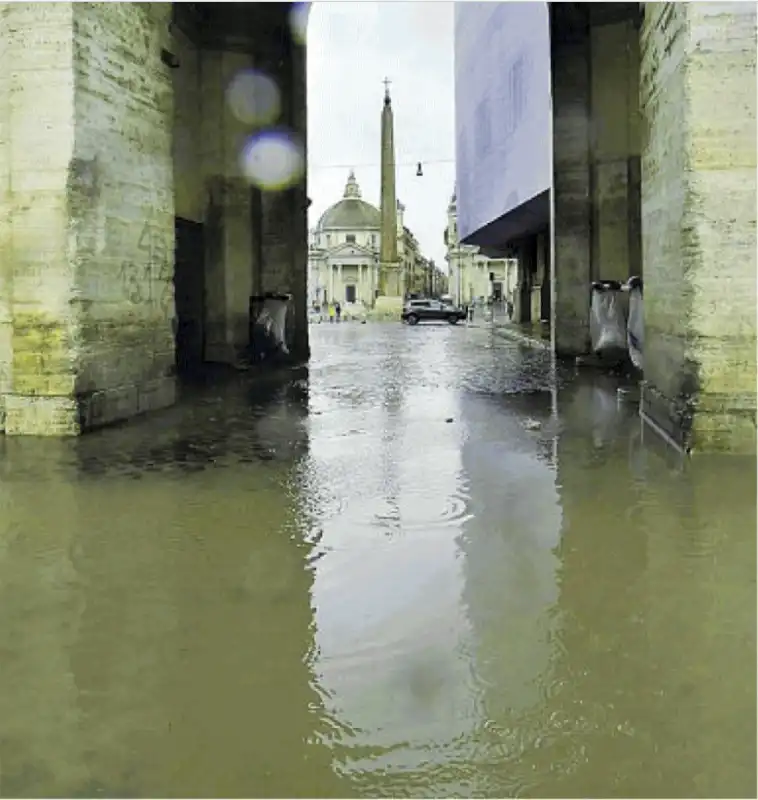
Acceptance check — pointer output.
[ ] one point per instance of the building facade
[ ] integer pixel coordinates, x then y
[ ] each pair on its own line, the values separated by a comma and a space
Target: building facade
473, 276
345, 249
603, 136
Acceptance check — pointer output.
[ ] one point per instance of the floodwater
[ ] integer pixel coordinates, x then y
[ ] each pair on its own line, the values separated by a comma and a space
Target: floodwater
416, 571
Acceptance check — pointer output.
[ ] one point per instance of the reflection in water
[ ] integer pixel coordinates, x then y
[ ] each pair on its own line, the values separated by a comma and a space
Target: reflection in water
378, 580
157, 633
390, 628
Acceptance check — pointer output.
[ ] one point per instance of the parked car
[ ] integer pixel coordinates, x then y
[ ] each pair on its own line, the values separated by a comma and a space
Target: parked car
416, 311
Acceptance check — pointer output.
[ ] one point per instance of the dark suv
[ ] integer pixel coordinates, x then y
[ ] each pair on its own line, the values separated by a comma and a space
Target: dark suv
416, 311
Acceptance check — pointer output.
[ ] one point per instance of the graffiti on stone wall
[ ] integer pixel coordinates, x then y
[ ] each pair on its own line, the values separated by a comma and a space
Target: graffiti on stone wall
148, 280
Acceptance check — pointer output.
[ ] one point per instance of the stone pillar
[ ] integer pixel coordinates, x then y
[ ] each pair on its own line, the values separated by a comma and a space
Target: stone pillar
698, 79
539, 278
276, 218
229, 244
615, 150
518, 298
6, 223
87, 297
572, 191
298, 314
340, 285
284, 250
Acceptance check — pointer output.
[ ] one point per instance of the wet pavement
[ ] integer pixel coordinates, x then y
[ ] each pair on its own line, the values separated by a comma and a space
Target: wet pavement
416, 569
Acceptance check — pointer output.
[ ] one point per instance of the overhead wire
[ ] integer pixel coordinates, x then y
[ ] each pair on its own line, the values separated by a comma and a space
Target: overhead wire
377, 164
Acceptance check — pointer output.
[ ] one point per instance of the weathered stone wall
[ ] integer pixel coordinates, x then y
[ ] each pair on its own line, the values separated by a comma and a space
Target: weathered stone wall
96, 161
698, 94
86, 107
121, 209
36, 102
6, 239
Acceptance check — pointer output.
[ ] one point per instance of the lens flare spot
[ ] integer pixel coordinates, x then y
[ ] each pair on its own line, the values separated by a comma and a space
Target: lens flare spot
273, 160
299, 21
254, 98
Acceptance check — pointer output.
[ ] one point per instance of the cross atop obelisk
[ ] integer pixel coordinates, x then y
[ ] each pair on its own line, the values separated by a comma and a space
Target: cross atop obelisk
386, 83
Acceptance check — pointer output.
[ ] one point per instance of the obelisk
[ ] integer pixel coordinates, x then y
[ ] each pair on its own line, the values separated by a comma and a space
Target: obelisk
390, 300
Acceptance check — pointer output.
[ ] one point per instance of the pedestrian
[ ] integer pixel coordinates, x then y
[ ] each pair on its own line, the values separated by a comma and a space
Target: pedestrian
338, 310
331, 312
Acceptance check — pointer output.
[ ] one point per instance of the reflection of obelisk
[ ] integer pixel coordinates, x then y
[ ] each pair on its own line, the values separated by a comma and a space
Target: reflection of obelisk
390, 278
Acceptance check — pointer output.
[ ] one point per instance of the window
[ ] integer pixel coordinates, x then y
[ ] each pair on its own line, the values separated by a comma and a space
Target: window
328, 239
350, 238
373, 240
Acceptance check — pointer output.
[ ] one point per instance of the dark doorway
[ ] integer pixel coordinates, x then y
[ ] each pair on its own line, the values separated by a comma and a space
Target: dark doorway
497, 292
350, 294
189, 288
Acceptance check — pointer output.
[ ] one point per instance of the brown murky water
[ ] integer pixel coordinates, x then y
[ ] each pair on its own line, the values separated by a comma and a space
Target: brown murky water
326, 588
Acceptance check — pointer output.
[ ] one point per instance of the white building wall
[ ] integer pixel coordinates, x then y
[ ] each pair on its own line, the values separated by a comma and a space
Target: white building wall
469, 270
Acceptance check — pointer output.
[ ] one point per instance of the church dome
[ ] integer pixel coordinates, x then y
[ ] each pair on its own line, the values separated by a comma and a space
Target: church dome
351, 212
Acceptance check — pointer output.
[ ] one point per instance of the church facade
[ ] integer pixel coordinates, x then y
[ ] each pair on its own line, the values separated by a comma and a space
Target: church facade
345, 248
359, 253
343, 261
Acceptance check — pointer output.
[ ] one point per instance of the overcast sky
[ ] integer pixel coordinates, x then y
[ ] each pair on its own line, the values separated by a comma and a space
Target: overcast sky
351, 48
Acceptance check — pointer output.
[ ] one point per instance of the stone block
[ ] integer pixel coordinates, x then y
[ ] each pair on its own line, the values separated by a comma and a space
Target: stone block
157, 394
698, 207
41, 416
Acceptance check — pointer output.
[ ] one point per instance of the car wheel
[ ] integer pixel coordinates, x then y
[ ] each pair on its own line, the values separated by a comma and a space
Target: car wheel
412, 319
453, 320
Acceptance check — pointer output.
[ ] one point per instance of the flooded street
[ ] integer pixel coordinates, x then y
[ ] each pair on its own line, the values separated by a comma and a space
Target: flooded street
415, 570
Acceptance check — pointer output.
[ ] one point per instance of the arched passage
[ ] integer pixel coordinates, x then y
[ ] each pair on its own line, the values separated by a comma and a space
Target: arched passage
119, 147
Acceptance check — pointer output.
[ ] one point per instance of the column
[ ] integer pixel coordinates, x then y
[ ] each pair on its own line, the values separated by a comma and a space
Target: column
89, 244
284, 235
298, 120
615, 154
540, 276
231, 243
572, 190
699, 251
518, 297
